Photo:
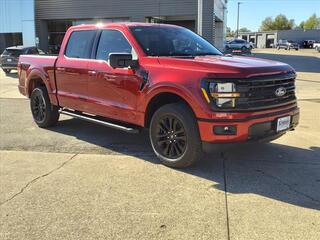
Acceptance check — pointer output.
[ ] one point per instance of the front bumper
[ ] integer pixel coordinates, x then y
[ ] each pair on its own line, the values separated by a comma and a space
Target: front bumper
249, 127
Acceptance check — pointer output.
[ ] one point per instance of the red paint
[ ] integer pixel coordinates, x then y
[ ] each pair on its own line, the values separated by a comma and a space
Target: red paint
93, 86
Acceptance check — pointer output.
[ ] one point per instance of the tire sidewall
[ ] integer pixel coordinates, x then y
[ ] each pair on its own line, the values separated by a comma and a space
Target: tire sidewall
38, 92
153, 126
188, 120
51, 114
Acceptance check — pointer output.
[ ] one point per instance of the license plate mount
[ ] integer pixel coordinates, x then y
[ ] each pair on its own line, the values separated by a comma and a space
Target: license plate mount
283, 123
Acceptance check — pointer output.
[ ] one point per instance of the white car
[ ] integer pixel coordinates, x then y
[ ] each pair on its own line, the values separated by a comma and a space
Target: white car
317, 46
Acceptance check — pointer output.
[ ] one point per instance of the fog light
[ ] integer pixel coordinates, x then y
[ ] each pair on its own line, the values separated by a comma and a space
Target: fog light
225, 130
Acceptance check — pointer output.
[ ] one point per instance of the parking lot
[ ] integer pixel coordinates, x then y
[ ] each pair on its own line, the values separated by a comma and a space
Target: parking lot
84, 181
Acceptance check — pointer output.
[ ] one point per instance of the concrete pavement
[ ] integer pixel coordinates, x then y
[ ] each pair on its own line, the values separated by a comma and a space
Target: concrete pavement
83, 181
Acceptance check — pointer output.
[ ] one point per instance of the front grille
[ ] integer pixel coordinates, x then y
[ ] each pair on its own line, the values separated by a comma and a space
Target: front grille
259, 92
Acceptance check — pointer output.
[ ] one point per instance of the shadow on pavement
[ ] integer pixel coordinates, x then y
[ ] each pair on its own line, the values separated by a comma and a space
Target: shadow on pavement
12, 74
299, 63
284, 173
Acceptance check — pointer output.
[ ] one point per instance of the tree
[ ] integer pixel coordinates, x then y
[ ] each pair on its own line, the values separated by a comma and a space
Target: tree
230, 33
244, 29
301, 25
267, 24
312, 23
281, 22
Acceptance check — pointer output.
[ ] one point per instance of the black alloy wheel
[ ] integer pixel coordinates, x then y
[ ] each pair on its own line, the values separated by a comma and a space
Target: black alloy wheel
174, 135
44, 113
171, 137
38, 107
7, 71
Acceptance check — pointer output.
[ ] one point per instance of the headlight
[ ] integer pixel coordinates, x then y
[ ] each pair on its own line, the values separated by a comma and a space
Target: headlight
224, 94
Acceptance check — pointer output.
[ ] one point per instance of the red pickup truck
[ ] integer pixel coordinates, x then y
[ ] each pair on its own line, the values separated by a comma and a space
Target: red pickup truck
164, 78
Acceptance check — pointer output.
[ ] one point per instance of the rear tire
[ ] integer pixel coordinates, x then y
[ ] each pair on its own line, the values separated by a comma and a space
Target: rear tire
6, 71
44, 113
174, 135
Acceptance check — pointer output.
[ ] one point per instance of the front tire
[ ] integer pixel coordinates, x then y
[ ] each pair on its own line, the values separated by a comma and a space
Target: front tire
174, 135
44, 113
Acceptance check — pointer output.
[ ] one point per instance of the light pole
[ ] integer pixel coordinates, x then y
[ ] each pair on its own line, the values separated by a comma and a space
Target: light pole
238, 19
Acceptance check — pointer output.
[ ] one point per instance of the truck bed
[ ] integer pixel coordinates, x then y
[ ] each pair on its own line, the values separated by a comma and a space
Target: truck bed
36, 65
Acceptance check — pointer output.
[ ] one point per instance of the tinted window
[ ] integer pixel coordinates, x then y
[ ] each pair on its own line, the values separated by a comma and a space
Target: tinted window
112, 41
32, 51
171, 41
80, 44
12, 52
239, 41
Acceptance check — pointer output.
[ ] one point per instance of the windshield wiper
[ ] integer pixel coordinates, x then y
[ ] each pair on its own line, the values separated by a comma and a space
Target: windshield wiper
178, 55
207, 54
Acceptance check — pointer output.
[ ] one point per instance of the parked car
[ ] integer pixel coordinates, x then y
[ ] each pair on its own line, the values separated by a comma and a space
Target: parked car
308, 43
285, 44
316, 45
9, 57
238, 44
166, 79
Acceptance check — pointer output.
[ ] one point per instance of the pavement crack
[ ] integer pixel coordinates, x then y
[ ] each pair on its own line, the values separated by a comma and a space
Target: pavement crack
38, 178
288, 186
224, 159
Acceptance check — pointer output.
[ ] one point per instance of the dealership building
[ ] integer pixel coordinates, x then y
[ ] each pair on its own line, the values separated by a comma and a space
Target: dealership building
270, 38
17, 25
44, 22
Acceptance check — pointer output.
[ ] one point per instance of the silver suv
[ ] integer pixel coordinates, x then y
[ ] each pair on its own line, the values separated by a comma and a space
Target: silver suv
238, 44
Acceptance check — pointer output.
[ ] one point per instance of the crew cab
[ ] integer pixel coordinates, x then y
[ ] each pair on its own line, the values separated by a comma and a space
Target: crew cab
164, 78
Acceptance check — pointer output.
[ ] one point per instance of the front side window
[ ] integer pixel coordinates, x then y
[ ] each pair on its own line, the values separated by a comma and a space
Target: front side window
112, 41
80, 44
171, 41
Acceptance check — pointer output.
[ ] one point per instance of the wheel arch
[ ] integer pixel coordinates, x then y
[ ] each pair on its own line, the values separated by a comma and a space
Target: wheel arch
38, 78
161, 99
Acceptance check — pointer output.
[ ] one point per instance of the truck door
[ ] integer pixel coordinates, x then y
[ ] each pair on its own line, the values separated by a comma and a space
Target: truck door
112, 92
72, 70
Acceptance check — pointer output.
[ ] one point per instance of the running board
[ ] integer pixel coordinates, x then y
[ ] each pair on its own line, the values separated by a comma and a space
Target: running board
98, 120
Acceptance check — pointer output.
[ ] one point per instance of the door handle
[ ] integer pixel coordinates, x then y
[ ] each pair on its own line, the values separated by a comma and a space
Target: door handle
92, 73
61, 69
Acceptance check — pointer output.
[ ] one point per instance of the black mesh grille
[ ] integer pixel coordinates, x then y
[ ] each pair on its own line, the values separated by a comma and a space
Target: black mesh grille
259, 92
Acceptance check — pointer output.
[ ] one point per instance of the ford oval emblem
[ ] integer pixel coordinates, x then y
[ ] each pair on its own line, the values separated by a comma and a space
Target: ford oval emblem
281, 91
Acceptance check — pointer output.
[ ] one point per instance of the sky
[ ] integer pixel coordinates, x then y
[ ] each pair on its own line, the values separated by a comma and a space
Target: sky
253, 12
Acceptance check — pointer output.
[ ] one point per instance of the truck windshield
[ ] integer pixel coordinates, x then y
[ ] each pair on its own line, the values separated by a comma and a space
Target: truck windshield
172, 41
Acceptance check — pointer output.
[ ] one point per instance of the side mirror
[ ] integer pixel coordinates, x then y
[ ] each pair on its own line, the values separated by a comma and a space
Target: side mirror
122, 60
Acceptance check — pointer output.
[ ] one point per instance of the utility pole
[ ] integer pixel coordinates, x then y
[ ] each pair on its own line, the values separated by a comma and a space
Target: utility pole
238, 19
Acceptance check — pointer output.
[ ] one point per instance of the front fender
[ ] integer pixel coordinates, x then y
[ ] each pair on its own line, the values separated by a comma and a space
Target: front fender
192, 96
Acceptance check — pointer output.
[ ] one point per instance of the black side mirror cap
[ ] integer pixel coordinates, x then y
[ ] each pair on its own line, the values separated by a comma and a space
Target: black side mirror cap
122, 60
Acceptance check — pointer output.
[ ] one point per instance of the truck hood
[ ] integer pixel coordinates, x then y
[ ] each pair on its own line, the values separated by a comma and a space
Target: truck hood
227, 66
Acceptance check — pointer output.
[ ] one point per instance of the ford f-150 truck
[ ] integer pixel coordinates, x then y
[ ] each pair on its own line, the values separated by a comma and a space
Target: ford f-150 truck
164, 78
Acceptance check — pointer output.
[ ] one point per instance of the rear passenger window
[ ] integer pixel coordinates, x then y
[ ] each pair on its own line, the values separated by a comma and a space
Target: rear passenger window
112, 41
80, 44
